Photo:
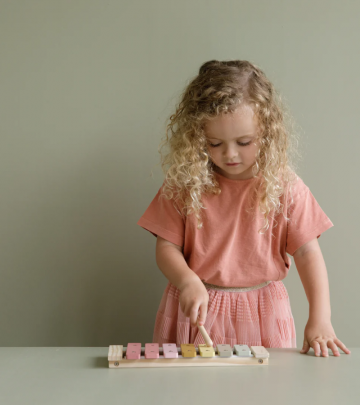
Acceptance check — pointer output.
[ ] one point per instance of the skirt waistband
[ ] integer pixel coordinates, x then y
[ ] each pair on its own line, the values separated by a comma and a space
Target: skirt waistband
235, 289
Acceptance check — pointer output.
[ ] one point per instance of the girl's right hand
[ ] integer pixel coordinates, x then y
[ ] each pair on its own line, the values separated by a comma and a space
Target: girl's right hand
194, 296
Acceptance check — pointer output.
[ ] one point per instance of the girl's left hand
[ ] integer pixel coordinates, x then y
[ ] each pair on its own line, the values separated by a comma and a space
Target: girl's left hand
320, 336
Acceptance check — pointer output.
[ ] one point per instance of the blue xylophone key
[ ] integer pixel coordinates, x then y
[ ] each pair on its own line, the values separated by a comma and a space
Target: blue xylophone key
242, 350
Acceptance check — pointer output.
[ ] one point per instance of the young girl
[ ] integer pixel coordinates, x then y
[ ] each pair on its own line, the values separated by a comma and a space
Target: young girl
230, 209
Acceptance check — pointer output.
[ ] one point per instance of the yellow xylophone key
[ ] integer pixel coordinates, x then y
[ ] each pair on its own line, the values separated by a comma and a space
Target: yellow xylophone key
188, 350
206, 351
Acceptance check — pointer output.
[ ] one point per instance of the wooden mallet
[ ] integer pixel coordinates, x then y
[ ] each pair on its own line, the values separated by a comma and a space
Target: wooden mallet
206, 337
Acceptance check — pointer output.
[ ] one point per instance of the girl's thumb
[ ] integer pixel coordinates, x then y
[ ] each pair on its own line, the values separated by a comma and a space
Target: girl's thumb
305, 347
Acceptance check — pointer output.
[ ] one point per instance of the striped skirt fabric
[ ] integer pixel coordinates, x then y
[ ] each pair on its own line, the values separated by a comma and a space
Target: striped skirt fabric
260, 317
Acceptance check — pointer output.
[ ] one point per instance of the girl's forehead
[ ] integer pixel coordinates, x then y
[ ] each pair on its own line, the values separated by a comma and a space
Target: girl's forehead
242, 120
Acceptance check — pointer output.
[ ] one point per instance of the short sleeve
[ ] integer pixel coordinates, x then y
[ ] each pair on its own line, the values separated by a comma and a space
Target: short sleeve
163, 218
307, 219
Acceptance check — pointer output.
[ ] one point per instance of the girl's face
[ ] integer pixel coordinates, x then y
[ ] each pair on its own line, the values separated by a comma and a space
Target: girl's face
231, 140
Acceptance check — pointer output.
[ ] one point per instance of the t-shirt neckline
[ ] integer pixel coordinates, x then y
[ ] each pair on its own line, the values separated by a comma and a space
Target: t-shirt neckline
234, 181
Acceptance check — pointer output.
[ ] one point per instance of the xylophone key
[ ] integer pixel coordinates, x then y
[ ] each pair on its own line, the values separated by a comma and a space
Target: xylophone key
242, 350
206, 351
151, 350
188, 350
224, 350
170, 351
115, 352
260, 352
133, 351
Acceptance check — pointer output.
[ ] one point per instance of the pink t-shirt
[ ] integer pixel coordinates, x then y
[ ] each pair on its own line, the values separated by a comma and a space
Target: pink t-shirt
228, 250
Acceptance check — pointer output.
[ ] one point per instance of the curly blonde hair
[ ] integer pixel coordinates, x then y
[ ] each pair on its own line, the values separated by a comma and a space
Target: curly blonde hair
220, 87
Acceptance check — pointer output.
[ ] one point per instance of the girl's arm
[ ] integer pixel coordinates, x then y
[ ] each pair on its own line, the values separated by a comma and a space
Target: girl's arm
171, 262
319, 333
311, 267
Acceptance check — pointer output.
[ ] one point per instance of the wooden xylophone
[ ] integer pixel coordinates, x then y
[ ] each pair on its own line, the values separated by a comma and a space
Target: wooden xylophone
169, 355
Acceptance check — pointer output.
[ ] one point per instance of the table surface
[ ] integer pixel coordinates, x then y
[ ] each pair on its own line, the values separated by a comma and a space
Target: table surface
81, 375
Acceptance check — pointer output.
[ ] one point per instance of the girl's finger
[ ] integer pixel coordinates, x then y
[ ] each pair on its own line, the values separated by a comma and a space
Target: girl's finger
342, 346
333, 348
203, 313
316, 346
306, 347
194, 314
324, 348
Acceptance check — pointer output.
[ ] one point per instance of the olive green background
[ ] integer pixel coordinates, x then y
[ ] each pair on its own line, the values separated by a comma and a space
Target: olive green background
86, 88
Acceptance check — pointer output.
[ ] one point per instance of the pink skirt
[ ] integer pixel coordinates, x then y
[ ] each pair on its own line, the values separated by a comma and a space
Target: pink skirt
260, 317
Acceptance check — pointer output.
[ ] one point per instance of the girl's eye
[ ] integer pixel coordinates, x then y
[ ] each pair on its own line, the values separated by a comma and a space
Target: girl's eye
239, 143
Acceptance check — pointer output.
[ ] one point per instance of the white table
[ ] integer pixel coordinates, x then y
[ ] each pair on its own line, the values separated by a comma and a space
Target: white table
80, 375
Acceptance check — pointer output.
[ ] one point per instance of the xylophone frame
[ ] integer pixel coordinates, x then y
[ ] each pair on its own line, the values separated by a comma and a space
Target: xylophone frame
259, 356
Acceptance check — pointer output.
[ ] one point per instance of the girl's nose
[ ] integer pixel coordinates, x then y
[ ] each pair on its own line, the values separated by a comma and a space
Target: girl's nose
230, 153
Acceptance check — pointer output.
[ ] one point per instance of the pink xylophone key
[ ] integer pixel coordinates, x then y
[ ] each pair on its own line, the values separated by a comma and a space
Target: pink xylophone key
133, 351
151, 350
170, 351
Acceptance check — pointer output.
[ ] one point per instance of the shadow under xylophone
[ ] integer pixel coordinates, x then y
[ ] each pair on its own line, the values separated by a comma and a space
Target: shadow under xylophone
169, 355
